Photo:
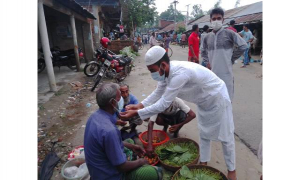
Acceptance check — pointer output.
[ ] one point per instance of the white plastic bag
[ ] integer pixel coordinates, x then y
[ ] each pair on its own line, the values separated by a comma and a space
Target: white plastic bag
82, 170
71, 171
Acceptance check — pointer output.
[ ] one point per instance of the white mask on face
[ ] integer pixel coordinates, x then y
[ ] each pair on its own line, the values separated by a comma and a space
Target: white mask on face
216, 25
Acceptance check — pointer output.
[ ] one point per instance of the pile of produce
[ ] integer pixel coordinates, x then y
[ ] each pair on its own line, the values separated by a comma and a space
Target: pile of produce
178, 154
155, 140
127, 51
197, 174
152, 160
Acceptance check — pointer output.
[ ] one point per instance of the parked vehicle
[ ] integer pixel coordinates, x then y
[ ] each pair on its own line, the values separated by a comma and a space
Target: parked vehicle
60, 58
108, 65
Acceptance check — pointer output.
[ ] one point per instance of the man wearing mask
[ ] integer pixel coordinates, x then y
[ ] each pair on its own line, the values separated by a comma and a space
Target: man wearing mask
219, 51
196, 84
194, 45
103, 146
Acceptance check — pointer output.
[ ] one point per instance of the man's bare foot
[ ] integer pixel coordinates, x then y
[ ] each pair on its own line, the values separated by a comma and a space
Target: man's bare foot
203, 163
243, 66
231, 175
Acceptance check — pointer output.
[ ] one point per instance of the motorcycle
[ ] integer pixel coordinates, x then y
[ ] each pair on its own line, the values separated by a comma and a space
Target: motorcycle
111, 66
60, 58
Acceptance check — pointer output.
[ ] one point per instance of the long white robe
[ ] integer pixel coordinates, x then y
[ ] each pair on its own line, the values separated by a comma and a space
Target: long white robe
194, 83
220, 50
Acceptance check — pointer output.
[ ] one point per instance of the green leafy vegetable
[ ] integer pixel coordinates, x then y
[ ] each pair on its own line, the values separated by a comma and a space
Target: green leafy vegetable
177, 154
197, 174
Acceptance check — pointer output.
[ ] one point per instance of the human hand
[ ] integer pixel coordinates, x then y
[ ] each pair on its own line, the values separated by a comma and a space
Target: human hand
143, 161
208, 66
174, 128
121, 123
128, 114
132, 107
149, 151
138, 150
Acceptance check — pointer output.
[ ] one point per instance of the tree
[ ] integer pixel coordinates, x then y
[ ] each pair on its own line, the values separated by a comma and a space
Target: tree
169, 14
217, 5
237, 3
140, 12
197, 11
180, 29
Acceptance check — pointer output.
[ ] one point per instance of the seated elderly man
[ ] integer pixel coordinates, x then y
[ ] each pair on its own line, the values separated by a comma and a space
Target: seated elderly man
103, 147
176, 115
128, 99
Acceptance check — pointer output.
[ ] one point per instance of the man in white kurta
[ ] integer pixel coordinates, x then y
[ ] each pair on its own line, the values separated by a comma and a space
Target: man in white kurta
193, 83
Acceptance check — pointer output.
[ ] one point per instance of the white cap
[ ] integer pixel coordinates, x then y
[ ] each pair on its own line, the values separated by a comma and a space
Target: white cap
154, 54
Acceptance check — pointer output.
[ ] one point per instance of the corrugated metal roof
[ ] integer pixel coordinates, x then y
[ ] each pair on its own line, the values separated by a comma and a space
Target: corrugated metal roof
171, 27
252, 12
76, 7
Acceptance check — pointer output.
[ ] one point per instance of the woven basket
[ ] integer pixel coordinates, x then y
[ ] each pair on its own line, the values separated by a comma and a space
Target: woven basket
175, 141
201, 167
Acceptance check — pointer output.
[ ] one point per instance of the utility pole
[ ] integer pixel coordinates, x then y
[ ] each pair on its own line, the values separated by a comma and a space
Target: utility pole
175, 2
187, 16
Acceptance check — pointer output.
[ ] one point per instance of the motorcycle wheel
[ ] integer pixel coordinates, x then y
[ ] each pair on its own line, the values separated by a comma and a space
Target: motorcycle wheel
121, 78
91, 69
41, 65
73, 67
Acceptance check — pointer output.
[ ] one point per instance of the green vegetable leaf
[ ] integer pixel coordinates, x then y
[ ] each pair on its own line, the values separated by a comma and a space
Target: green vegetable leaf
185, 172
185, 157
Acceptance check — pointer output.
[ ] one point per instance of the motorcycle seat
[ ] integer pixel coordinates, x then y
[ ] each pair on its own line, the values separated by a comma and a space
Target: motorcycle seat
117, 56
63, 57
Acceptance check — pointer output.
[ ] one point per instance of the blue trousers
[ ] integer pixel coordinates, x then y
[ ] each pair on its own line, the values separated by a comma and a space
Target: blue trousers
246, 57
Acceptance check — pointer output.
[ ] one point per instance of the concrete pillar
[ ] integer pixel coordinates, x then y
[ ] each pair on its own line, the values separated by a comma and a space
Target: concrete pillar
45, 46
75, 42
96, 27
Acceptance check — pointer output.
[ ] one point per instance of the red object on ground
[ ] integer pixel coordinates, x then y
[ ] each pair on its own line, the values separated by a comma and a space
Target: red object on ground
71, 154
159, 133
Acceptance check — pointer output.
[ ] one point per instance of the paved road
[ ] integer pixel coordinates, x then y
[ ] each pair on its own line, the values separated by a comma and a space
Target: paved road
247, 102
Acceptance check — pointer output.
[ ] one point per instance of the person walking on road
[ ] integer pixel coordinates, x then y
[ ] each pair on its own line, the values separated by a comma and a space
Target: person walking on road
219, 51
194, 45
167, 40
196, 84
248, 37
183, 40
152, 40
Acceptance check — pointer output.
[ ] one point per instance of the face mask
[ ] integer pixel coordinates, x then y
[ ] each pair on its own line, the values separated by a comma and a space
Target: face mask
157, 77
216, 25
116, 107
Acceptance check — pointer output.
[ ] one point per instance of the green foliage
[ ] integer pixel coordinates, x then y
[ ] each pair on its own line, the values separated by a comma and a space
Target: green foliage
197, 174
180, 29
197, 11
140, 12
169, 14
177, 154
237, 3
127, 51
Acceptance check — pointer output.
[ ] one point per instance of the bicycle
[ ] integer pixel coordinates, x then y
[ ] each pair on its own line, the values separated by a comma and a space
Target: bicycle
170, 51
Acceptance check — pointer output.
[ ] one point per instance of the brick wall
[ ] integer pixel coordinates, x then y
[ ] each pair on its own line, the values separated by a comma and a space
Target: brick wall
118, 45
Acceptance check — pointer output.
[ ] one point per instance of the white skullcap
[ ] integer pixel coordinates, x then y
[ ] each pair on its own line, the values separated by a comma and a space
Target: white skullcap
154, 54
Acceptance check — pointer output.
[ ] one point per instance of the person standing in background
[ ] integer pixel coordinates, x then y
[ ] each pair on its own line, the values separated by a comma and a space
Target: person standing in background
231, 27
205, 32
183, 40
152, 40
194, 45
248, 37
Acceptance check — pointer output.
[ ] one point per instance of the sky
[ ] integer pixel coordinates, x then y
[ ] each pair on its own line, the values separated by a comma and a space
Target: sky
162, 5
